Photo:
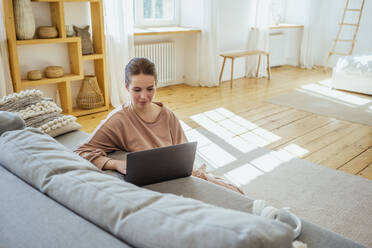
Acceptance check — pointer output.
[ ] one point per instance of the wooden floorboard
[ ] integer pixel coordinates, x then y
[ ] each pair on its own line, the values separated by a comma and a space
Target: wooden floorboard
367, 172
343, 148
327, 141
358, 163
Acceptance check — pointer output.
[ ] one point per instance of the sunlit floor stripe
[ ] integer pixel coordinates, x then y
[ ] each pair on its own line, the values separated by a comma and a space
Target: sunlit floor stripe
215, 156
243, 174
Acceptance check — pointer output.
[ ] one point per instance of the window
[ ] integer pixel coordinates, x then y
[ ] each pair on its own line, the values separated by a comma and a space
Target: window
156, 12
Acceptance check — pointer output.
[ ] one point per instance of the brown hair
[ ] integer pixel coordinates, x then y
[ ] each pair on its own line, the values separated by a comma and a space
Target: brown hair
138, 66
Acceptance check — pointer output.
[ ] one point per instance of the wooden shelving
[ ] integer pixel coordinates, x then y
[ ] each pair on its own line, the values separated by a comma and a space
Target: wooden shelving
81, 112
74, 51
67, 77
92, 57
48, 41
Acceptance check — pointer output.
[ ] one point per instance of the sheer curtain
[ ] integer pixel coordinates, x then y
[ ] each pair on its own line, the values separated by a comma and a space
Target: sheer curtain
306, 55
208, 46
258, 36
6, 86
119, 29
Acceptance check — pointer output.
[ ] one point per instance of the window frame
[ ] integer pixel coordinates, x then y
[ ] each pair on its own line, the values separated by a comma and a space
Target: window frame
139, 21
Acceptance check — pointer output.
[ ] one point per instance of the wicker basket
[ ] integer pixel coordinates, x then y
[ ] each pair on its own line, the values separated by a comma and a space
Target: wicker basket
54, 72
47, 32
90, 95
34, 75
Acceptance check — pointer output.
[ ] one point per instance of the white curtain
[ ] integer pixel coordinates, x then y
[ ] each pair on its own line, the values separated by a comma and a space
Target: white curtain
258, 35
208, 46
119, 29
306, 54
6, 86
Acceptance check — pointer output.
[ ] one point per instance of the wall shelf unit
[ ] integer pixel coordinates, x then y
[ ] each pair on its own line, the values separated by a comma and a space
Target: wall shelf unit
74, 53
92, 56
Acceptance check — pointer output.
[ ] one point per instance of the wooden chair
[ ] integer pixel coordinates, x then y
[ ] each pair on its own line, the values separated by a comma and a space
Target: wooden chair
238, 54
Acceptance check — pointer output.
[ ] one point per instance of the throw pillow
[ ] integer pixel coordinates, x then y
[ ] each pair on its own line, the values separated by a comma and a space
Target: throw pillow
39, 112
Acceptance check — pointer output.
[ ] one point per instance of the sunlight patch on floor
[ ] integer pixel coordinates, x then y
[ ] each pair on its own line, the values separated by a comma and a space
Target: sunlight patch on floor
326, 90
295, 150
243, 175
241, 144
242, 135
215, 155
227, 125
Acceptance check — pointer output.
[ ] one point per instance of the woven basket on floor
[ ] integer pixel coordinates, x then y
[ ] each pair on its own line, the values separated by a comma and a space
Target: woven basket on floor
90, 95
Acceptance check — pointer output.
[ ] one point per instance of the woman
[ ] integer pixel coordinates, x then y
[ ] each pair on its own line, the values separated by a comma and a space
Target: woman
139, 125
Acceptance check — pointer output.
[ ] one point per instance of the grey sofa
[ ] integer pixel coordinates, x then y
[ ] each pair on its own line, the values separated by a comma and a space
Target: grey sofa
29, 218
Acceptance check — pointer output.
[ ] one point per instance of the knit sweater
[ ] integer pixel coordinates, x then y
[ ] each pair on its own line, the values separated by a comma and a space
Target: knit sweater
125, 130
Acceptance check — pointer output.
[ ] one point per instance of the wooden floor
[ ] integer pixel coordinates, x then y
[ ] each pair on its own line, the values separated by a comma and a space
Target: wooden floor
333, 143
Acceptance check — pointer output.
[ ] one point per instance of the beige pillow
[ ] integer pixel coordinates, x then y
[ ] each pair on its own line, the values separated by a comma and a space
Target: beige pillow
69, 127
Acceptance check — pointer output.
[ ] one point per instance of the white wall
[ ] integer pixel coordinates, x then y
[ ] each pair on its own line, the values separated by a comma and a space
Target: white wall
329, 14
233, 33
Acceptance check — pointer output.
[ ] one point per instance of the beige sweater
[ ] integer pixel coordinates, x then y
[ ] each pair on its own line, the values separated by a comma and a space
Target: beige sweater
125, 130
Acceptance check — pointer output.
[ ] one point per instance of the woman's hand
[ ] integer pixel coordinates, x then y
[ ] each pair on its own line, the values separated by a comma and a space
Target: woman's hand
118, 165
121, 166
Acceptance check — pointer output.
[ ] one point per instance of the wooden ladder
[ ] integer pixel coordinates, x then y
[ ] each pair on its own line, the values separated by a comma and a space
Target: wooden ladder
356, 25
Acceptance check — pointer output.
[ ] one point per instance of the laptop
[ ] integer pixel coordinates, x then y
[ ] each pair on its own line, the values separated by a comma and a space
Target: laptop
160, 164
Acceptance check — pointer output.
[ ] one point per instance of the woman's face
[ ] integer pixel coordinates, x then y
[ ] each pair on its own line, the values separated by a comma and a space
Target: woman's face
142, 89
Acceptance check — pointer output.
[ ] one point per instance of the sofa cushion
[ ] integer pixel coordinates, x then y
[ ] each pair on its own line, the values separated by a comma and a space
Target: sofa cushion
10, 121
30, 219
196, 188
141, 217
72, 139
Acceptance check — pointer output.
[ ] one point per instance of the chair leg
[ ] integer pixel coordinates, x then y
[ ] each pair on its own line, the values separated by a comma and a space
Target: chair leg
232, 71
258, 66
223, 66
268, 67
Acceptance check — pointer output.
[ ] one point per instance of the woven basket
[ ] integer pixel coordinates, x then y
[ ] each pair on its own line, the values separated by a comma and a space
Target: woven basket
90, 95
47, 32
34, 75
54, 72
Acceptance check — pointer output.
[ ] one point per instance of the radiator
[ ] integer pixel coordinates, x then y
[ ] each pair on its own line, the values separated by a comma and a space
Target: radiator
163, 54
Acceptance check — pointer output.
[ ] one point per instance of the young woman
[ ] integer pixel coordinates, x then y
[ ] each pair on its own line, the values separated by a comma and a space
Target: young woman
141, 124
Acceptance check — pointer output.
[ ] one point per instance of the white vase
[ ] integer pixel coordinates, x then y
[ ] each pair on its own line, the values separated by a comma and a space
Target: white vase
24, 19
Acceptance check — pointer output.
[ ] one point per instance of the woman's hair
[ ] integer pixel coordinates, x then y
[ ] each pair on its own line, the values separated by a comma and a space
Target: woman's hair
138, 66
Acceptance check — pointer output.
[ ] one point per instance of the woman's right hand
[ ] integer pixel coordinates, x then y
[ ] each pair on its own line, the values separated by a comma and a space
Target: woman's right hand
118, 165
121, 166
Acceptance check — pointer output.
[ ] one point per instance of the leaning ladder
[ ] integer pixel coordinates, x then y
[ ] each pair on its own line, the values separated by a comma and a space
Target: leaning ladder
356, 25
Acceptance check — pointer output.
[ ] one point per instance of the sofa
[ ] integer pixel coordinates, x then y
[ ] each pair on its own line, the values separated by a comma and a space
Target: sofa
36, 208
353, 73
